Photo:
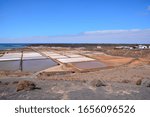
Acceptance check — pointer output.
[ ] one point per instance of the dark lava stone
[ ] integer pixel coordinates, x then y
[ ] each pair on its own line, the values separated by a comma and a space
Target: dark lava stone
138, 82
25, 85
97, 83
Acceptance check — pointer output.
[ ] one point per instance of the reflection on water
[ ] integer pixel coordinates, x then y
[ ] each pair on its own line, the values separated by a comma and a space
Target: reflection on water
9, 65
89, 65
27, 65
37, 65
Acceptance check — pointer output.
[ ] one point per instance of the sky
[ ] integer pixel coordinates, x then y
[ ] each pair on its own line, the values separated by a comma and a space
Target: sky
75, 21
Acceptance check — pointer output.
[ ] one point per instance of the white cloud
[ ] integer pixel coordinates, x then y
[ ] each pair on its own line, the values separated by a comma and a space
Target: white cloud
100, 36
111, 31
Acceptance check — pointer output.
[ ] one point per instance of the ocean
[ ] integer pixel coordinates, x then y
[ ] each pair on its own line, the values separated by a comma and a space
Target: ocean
12, 46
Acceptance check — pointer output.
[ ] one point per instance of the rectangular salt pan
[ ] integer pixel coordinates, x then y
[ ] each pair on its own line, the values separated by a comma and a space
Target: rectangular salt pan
70, 60
89, 65
54, 55
10, 56
32, 55
9, 65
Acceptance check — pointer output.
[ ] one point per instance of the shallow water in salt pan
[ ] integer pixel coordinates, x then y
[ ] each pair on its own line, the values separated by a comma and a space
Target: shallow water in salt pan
89, 65
37, 65
27, 65
9, 65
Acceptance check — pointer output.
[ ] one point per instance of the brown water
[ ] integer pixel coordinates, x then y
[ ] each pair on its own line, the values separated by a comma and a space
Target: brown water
9, 65
89, 65
27, 65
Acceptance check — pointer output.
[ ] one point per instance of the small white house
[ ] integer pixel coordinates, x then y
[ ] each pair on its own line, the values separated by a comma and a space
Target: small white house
119, 47
142, 47
99, 47
123, 47
127, 47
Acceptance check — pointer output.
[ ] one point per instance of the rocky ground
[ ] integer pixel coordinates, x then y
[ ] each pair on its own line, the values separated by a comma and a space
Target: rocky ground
116, 83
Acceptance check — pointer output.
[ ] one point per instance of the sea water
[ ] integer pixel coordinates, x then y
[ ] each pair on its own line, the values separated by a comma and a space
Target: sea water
12, 46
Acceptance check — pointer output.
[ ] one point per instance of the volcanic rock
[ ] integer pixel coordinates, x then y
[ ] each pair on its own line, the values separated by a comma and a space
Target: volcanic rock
97, 83
25, 85
138, 82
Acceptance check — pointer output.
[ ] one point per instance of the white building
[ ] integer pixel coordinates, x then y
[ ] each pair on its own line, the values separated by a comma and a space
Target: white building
119, 47
99, 47
127, 47
123, 47
142, 47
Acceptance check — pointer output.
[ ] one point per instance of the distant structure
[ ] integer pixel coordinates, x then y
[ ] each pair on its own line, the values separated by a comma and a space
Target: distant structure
142, 47
98, 47
119, 47
123, 47
128, 47
133, 47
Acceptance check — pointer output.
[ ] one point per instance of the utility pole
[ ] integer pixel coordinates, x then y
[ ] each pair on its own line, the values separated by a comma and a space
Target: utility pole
21, 61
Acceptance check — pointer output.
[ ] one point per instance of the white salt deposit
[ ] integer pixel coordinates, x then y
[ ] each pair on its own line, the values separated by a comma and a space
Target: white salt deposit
32, 55
70, 60
10, 56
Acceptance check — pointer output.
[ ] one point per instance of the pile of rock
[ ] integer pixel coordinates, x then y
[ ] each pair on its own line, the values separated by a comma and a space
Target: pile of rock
26, 85
97, 83
144, 82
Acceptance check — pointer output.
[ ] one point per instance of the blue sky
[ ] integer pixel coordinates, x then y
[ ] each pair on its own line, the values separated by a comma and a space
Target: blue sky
76, 21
